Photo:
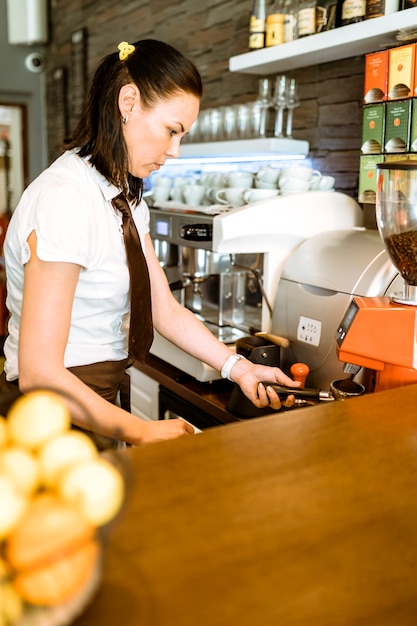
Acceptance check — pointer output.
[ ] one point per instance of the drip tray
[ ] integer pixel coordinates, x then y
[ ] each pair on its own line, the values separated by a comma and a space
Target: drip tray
225, 334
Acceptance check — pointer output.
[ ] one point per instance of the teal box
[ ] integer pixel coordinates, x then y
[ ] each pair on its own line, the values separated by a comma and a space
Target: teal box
397, 126
367, 177
373, 126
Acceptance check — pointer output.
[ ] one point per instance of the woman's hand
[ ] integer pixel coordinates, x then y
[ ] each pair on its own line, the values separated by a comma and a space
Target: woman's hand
159, 430
251, 378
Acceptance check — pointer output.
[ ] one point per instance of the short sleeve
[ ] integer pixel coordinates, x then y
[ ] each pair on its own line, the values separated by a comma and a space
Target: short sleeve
64, 223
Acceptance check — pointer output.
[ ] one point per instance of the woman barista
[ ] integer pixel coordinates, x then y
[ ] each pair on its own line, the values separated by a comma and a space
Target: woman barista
68, 280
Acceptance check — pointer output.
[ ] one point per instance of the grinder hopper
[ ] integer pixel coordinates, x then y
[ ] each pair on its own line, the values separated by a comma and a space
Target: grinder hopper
396, 212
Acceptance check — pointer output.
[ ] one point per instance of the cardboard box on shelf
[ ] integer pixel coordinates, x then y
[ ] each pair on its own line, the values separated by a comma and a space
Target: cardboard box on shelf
397, 126
401, 63
373, 124
376, 77
367, 177
367, 182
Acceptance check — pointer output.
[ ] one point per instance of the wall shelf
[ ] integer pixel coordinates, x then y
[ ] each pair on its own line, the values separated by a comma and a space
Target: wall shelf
341, 43
269, 148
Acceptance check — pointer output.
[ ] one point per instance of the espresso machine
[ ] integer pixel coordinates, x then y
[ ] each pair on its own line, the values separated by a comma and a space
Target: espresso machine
379, 333
318, 282
226, 267
223, 290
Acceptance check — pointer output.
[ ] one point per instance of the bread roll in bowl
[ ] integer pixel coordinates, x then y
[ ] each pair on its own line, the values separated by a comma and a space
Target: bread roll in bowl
58, 580
53, 551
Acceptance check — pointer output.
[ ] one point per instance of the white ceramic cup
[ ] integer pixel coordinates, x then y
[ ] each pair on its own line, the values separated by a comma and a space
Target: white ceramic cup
205, 179
290, 184
211, 194
300, 171
230, 195
193, 194
255, 195
260, 184
217, 179
162, 181
161, 193
267, 174
177, 193
240, 179
178, 181
326, 183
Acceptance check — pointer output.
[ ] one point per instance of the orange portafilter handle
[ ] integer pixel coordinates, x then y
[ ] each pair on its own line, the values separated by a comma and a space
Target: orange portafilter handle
300, 371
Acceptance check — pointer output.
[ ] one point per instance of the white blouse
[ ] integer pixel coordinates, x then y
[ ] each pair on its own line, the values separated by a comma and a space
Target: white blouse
69, 207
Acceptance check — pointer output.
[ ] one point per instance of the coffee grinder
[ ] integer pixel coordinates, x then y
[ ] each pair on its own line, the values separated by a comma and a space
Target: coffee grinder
379, 333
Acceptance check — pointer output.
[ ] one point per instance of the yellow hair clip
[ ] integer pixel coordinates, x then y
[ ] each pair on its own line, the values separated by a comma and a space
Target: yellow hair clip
126, 49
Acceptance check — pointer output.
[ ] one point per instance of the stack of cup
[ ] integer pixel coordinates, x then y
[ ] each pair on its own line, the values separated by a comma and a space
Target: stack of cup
162, 189
296, 179
237, 183
267, 177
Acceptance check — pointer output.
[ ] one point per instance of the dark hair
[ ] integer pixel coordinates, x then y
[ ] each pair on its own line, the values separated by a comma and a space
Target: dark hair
159, 71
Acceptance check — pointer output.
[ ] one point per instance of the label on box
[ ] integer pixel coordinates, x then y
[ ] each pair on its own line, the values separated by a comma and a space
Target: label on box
376, 77
373, 123
397, 126
367, 177
401, 72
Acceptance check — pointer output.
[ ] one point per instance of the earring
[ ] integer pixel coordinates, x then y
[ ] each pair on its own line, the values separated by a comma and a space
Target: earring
125, 119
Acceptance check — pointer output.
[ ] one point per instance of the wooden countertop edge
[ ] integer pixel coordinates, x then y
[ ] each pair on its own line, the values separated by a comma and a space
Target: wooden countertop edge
210, 397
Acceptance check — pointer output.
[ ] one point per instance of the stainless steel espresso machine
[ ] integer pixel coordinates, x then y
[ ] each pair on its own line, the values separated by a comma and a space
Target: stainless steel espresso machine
223, 290
319, 281
226, 267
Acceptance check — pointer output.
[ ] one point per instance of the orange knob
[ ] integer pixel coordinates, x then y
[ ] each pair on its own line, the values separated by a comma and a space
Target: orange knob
300, 371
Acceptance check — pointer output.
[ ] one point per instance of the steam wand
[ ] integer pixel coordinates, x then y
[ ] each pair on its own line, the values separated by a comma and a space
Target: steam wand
256, 274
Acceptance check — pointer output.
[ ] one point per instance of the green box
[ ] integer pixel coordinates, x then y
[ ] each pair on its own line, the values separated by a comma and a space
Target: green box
373, 125
397, 126
367, 177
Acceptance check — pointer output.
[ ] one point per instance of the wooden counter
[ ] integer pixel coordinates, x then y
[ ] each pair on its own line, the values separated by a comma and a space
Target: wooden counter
305, 518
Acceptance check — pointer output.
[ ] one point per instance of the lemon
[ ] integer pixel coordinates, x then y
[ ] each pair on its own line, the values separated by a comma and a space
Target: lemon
96, 487
22, 467
12, 505
63, 451
37, 417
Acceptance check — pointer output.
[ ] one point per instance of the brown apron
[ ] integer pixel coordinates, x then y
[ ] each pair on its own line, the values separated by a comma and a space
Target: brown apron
108, 379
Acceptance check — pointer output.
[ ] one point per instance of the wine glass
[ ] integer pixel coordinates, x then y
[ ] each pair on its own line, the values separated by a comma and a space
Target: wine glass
280, 103
292, 102
264, 103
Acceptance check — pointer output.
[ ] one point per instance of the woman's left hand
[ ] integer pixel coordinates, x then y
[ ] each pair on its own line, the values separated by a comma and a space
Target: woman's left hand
251, 378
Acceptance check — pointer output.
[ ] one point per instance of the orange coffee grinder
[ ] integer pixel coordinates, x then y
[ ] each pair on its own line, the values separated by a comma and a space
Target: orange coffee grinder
381, 333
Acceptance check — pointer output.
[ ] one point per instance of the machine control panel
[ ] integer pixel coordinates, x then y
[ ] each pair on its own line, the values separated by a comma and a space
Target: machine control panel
192, 229
197, 232
346, 322
309, 330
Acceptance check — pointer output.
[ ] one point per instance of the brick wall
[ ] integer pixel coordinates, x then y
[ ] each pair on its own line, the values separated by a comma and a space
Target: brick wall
210, 32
